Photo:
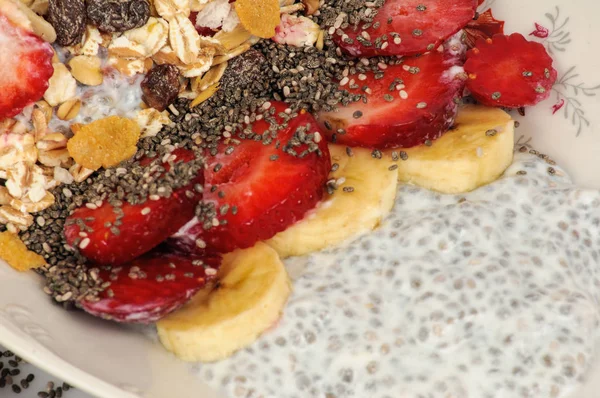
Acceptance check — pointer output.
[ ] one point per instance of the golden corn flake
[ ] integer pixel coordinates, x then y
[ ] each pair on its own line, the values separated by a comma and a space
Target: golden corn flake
105, 142
259, 17
16, 254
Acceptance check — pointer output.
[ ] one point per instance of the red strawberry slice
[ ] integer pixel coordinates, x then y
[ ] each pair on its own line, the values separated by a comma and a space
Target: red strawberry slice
101, 238
26, 63
509, 71
484, 27
407, 27
149, 287
414, 102
260, 189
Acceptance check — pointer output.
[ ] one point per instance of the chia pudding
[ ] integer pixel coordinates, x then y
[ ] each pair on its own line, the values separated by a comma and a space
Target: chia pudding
489, 294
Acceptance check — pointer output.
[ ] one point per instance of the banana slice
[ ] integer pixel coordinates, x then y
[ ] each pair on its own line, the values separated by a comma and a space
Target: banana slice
252, 291
344, 214
475, 153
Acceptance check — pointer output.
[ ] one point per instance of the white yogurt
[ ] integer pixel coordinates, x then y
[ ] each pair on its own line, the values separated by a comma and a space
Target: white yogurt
490, 294
116, 96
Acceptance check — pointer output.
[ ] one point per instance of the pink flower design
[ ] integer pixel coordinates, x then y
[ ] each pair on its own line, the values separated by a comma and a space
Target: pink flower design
556, 107
540, 31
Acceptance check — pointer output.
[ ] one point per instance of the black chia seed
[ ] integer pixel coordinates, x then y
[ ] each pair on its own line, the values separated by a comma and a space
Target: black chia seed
68, 279
11, 369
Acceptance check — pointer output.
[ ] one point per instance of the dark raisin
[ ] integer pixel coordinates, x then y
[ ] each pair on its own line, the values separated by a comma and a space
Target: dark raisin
68, 19
243, 70
160, 87
118, 15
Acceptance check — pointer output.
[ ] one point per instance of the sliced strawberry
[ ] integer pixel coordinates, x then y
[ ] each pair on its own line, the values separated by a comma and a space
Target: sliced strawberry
509, 71
140, 228
413, 102
149, 287
26, 63
407, 27
484, 27
259, 189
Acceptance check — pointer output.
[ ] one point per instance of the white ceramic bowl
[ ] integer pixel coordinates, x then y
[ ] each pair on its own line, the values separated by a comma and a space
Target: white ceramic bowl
109, 360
